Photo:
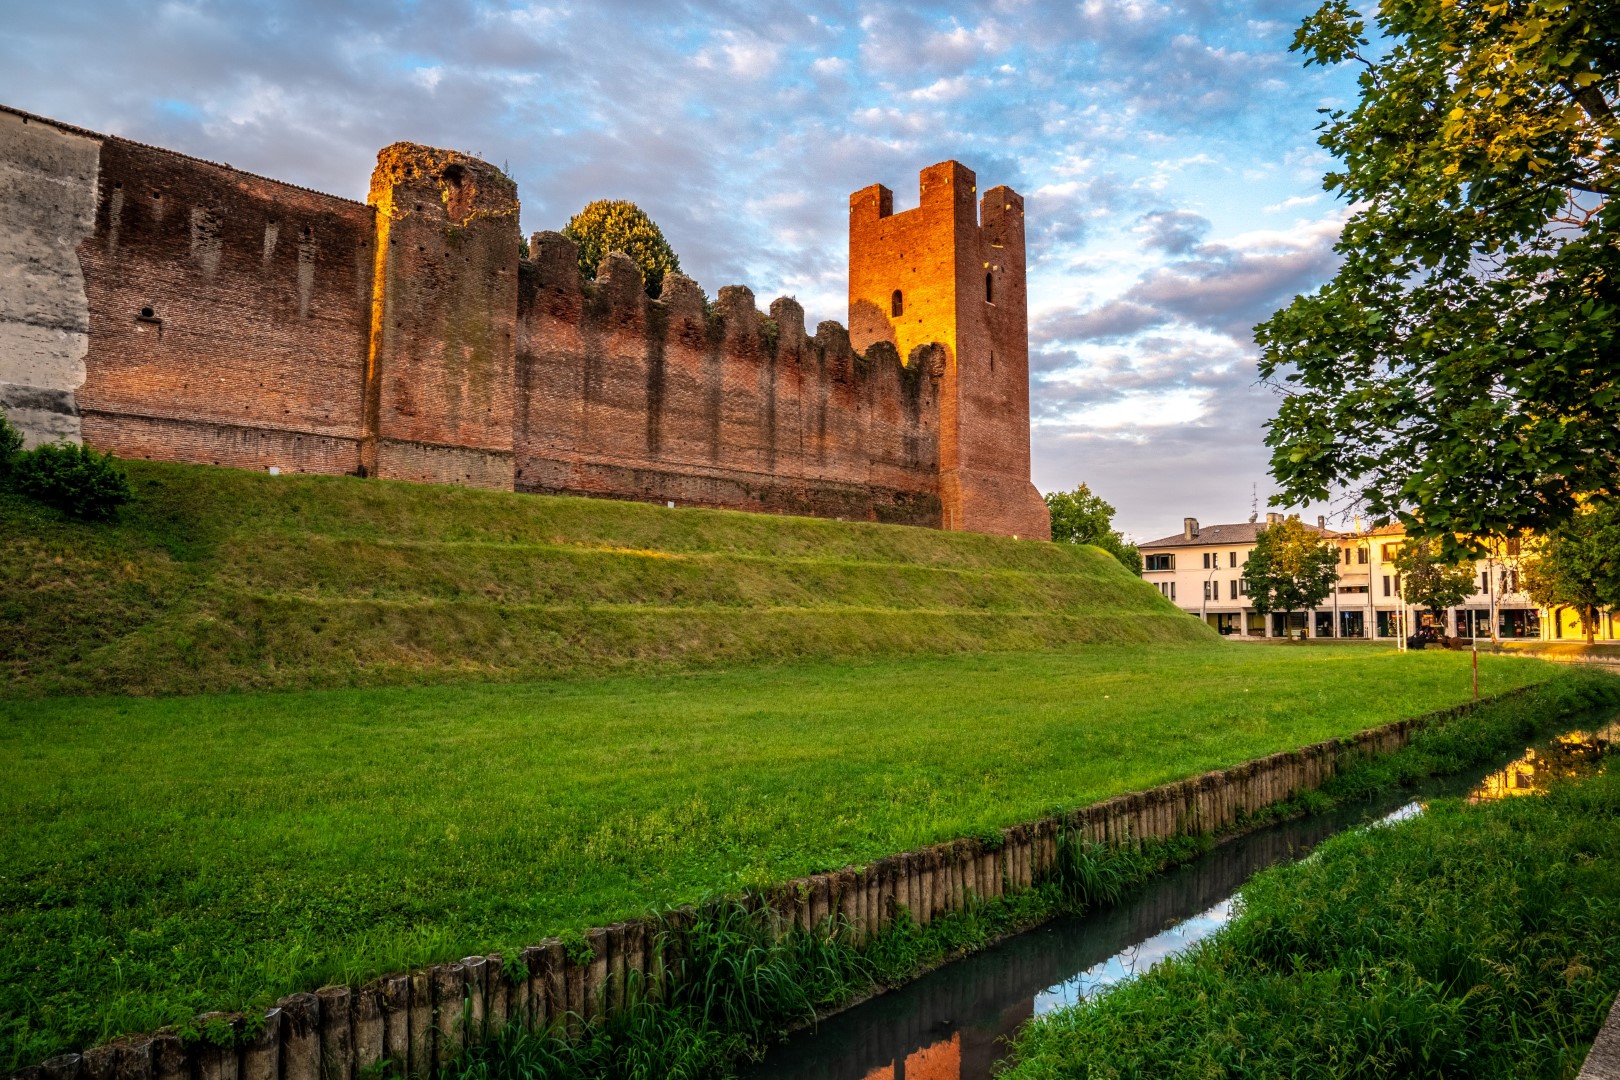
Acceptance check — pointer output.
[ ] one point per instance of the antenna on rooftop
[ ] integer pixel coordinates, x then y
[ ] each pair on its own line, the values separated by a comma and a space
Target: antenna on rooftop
1254, 503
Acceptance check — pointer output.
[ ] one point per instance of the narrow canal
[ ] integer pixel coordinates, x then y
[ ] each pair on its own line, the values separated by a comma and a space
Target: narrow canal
953, 1023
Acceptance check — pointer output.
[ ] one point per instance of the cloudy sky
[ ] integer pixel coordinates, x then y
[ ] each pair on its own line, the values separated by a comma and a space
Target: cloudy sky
1166, 152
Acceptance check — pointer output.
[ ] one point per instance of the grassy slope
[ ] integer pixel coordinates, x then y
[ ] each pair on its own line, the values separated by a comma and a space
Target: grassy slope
168, 855
220, 579
1473, 941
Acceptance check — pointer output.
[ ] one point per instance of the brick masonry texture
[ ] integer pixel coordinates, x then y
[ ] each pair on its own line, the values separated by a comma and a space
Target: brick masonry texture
219, 317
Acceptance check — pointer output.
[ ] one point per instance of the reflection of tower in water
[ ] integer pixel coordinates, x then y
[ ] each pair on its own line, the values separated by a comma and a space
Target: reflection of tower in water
938, 1061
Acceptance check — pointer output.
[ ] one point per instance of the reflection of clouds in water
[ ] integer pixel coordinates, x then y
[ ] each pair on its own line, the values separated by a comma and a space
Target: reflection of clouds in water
1133, 961
1410, 810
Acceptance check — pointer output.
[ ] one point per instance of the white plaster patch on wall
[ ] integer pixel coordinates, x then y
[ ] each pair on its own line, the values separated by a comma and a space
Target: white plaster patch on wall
47, 207
308, 249
206, 243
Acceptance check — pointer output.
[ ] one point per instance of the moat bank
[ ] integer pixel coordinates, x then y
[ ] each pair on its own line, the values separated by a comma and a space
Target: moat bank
1474, 939
956, 1023
673, 982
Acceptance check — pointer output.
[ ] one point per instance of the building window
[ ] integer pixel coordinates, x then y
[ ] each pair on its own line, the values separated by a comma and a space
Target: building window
1206, 590
989, 289
1387, 552
897, 304
1485, 582
1386, 584
1234, 588
1243, 586
1159, 562
1513, 581
1513, 548
1231, 559
1172, 590
1361, 556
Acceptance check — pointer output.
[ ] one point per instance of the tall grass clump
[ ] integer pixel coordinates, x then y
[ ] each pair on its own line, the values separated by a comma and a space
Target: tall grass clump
735, 979
1475, 940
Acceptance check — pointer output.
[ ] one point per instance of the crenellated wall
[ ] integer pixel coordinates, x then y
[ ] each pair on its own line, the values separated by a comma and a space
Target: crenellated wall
161, 306
673, 399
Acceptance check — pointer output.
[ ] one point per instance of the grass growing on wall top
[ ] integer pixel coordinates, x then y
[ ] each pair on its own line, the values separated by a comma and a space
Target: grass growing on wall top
221, 579
167, 856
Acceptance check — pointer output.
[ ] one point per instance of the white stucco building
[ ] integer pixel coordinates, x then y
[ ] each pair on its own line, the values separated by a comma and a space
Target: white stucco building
1201, 571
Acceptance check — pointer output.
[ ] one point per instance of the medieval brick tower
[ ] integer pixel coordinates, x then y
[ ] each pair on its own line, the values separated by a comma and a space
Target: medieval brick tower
951, 271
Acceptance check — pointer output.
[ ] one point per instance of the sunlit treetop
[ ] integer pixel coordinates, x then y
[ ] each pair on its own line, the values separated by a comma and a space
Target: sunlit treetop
1458, 374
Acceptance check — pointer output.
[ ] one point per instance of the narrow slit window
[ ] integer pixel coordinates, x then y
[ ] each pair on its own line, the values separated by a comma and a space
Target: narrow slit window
897, 305
989, 288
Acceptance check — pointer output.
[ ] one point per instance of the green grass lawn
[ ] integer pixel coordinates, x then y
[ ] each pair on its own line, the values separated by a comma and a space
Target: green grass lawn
165, 856
223, 579
1475, 940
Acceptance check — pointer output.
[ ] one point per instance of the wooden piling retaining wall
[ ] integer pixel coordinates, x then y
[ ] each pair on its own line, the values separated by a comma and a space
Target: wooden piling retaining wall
422, 1020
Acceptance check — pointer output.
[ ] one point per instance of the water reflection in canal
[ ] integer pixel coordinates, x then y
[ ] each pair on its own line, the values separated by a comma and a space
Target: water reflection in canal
952, 1024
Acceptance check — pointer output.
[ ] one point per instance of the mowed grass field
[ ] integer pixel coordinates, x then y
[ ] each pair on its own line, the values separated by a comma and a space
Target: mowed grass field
222, 579
164, 856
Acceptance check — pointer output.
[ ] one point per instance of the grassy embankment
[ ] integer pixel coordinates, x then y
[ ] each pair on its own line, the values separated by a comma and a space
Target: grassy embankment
166, 856
1476, 940
222, 579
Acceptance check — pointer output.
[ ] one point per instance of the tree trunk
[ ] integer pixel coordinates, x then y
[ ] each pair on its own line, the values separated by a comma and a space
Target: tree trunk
1586, 621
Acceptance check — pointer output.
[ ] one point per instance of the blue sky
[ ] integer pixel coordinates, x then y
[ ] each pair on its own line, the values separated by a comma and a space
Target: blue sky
1166, 152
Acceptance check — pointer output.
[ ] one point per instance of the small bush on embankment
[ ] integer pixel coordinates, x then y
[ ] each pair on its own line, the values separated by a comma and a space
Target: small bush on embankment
224, 579
1473, 941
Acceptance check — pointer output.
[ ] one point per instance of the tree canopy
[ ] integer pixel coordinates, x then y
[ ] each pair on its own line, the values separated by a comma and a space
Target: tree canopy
1290, 568
609, 225
1082, 517
1578, 566
1459, 373
1431, 579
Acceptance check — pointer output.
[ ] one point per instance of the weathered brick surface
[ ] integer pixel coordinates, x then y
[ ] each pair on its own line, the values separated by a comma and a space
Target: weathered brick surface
259, 296
627, 397
937, 257
440, 381
236, 320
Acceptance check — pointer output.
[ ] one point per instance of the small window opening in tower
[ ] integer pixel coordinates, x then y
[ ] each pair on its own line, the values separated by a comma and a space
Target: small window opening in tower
989, 289
897, 305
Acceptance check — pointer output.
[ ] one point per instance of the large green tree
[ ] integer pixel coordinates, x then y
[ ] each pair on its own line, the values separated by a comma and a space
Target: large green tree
1578, 566
1083, 517
1290, 568
609, 225
1459, 372
1431, 579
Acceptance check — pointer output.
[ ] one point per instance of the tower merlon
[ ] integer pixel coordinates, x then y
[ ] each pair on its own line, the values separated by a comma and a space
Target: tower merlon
872, 201
949, 183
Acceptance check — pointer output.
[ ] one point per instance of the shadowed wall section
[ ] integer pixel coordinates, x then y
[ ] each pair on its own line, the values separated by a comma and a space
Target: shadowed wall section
228, 316
671, 399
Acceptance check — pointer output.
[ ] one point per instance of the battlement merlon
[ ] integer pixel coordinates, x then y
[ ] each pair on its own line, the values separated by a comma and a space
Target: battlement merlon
1001, 216
871, 202
948, 186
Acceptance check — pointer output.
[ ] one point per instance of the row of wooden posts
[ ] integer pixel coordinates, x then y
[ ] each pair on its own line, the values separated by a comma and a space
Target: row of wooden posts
419, 1022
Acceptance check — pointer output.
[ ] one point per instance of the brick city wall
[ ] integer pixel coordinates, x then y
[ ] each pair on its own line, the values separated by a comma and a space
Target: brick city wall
209, 315
229, 316
629, 397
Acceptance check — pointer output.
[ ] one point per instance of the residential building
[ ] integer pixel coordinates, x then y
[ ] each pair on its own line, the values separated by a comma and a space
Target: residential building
1201, 571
